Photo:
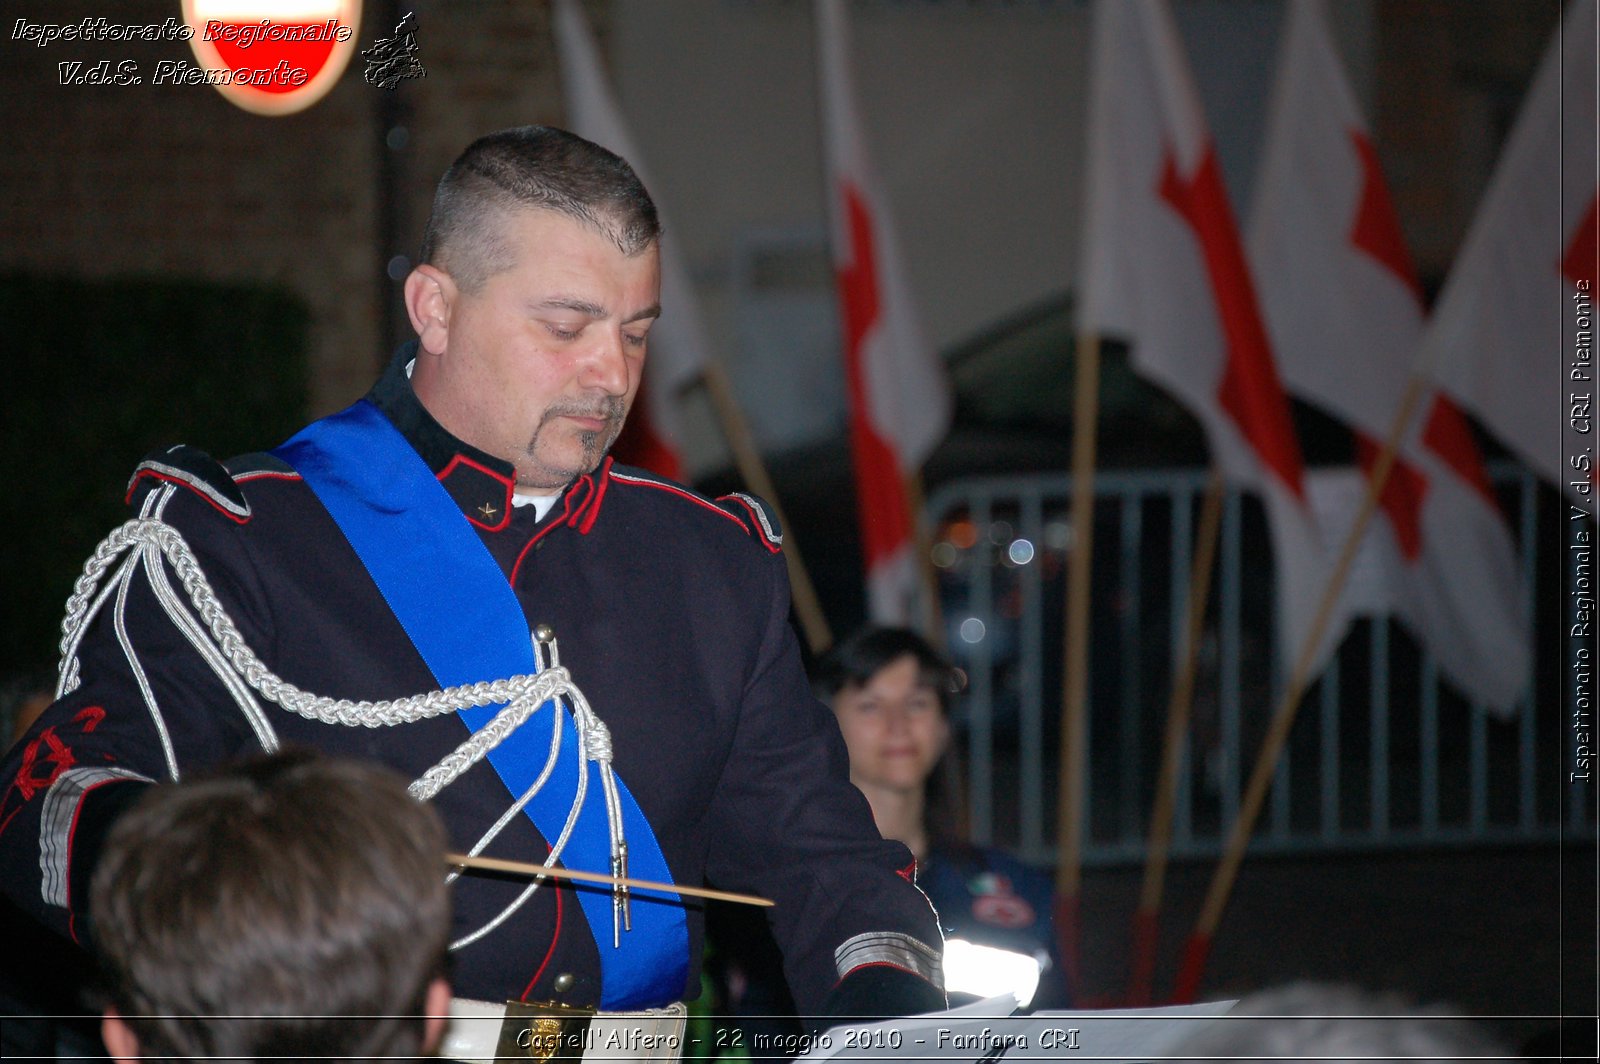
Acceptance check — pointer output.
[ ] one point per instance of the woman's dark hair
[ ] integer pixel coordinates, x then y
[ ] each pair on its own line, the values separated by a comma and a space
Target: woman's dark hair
854, 662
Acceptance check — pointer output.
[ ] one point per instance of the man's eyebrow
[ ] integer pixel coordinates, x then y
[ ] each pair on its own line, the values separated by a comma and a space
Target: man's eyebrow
582, 306
594, 310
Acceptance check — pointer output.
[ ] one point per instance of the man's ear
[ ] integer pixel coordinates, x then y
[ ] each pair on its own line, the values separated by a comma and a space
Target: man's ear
437, 1006
121, 1042
430, 296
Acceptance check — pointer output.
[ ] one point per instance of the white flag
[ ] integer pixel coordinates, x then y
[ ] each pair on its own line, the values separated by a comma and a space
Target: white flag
1163, 267
1504, 335
1344, 313
899, 396
678, 350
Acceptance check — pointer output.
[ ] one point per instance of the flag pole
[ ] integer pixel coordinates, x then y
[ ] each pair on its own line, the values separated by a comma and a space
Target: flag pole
1074, 693
736, 430
1146, 919
1199, 944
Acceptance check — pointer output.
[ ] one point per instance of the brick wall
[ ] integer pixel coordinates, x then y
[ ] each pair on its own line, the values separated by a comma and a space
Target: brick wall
173, 180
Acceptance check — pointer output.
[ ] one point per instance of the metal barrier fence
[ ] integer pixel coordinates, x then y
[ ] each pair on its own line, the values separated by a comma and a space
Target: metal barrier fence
1383, 753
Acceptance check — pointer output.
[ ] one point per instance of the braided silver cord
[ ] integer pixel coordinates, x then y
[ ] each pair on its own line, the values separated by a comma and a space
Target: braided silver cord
542, 688
596, 739
523, 694
593, 737
273, 688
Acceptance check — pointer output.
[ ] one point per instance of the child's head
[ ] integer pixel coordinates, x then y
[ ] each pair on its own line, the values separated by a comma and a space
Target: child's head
257, 912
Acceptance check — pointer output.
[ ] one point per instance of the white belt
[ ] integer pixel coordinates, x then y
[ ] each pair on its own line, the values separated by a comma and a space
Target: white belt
481, 1032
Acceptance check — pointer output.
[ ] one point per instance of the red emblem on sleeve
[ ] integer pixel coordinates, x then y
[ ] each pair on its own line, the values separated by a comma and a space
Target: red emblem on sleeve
43, 762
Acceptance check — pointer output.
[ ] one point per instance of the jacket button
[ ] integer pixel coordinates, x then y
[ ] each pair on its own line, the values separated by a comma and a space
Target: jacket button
564, 982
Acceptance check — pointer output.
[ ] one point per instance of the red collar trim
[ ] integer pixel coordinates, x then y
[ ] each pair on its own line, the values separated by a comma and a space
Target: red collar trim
580, 509
508, 484
592, 504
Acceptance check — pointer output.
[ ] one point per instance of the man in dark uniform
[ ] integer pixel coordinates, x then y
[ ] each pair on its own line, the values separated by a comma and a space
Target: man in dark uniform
410, 544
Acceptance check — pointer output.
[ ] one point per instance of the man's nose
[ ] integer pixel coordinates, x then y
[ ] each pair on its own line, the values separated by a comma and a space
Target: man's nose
606, 364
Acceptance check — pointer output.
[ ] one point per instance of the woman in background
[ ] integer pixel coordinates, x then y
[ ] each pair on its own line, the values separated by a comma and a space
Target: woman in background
891, 693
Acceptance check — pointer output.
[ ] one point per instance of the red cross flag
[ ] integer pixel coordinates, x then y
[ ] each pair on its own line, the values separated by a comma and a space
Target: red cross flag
653, 437
1163, 267
899, 397
1344, 312
1506, 337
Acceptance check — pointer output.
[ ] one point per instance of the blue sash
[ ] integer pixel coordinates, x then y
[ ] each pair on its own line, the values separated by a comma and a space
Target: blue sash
462, 616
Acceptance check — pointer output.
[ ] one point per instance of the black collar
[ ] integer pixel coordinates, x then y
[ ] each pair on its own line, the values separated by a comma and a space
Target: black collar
480, 483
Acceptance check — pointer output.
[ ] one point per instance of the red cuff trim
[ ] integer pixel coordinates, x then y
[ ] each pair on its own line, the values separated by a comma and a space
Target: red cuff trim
880, 964
72, 834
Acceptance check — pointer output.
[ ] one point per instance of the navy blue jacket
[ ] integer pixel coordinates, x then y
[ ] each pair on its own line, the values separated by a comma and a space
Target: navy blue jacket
671, 612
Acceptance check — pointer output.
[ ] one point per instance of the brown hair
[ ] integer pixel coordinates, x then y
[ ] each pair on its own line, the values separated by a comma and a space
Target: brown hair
290, 906
531, 167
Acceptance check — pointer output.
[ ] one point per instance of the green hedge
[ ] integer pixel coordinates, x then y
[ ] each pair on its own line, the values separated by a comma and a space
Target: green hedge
99, 374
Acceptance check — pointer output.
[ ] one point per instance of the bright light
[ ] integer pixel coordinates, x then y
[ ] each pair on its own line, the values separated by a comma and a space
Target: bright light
1020, 551
986, 971
972, 630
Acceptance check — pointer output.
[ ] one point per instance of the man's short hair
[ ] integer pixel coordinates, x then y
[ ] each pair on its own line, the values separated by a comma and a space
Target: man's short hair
1335, 1022
252, 913
531, 167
